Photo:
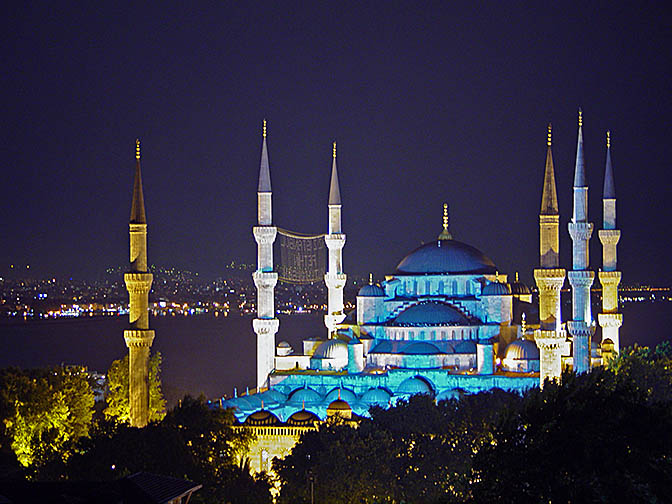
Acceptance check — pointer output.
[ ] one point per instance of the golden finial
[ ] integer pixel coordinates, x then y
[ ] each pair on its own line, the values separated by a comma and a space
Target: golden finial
549, 134
445, 234
334, 153
264, 129
523, 324
580, 118
370, 278
608, 139
137, 149
516, 277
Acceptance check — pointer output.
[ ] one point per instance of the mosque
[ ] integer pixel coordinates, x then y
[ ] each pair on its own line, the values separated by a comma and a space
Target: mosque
446, 322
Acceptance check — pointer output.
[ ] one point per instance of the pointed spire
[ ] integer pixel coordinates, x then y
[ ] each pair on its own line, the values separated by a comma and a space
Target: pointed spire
370, 278
609, 190
549, 195
334, 188
445, 234
264, 169
138, 204
579, 169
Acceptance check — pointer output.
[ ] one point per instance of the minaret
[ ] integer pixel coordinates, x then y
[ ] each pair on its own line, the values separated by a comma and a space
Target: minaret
581, 326
265, 279
549, 276
138, 280
335, 240
610, 320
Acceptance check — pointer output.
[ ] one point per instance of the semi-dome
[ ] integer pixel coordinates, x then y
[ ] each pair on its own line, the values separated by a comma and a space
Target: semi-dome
465, 347
376, 395
445, 256
371, 290
522, 349
332, 349
496, 289
263, 417
431, 313
274, 395
420, 348
415, 385
341, 393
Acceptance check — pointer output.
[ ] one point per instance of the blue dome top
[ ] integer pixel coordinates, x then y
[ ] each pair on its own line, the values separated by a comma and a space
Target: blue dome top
445, 256
371, 290
420, 348
431, 313
346, 395
305, 394
496, 289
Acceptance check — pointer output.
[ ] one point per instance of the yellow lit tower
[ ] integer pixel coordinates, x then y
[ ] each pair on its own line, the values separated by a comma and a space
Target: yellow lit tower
335, 240
265, 279
581, 326
138, 281
610, 321
549, 277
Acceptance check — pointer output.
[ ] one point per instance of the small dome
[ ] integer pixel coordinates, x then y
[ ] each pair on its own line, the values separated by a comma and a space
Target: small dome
519, 288
415, 385
345, 394
302, 418
263, 417
431, 313
466, 347
284, 348
420, 348
306, 395
445, 256
522, 349
338, 405
332, 349
376, 396
448, 394
275, 395
371, 290
496, 289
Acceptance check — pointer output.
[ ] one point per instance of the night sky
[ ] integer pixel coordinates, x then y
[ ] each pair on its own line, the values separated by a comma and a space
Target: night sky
429, 102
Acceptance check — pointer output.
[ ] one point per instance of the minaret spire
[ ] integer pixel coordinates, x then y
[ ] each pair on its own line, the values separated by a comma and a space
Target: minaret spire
334, 278
580, 278
334, 187
266, 324
610, 320
138, 281
549, 276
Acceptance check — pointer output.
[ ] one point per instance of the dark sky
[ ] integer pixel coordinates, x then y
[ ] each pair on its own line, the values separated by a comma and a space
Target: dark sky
429, 102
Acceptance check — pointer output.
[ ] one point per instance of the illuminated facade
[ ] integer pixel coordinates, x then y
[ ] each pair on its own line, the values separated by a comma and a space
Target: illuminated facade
138, 281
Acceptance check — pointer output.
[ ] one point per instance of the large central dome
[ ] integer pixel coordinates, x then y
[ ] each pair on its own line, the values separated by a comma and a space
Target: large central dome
446, 256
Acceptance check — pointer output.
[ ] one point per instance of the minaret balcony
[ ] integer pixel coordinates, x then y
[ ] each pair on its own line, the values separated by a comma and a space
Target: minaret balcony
580, 328
138, 282
549, 278
335, 280
580, 231
609, 278
265, 326
609, 236
265, 279
582, 278
335, 241
610, 319
138, 338
265, 235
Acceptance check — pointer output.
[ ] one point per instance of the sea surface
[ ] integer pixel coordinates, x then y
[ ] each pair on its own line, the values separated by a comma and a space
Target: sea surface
211, 355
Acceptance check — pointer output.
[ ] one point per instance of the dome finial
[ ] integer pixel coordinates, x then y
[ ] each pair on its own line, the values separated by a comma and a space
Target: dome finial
523, 324
516, 276
137, 149
263, 130
550, 128
580, 117
608, 139
334, 152
445, 234
370, 278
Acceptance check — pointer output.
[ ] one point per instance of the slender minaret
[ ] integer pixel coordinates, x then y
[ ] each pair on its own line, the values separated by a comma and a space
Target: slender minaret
610, 320
138, 280
335, 240
265, 325
581, 326
549, 276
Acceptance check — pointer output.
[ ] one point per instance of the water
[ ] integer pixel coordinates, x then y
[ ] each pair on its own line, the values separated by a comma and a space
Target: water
212, 355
